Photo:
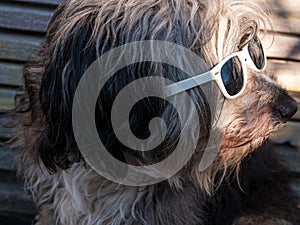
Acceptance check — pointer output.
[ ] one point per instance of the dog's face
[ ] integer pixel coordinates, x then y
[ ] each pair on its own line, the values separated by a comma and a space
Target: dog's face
263, 108
81, 31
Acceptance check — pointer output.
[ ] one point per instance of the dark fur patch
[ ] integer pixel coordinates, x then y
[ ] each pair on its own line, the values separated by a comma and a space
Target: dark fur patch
265, 184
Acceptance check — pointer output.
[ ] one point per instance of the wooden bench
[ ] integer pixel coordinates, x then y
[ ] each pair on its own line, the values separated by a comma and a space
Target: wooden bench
22, 26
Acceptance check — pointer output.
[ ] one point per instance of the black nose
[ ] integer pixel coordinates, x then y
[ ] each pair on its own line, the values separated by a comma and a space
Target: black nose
285, 107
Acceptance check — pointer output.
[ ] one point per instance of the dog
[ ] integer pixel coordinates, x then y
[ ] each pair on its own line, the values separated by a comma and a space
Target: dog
245, 183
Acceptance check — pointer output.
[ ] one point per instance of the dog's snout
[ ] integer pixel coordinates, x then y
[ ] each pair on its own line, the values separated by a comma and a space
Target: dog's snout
285, 107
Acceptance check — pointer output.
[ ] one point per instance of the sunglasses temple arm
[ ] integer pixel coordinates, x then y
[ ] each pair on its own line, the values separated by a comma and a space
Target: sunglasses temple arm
189, 83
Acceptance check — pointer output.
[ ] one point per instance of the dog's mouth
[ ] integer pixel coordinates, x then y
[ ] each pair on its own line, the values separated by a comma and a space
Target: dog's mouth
283, 110
251, 134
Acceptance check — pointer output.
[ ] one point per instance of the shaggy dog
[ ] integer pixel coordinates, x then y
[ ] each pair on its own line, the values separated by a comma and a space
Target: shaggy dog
245, 183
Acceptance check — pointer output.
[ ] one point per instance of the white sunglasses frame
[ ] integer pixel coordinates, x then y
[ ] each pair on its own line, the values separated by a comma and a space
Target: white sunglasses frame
215, 75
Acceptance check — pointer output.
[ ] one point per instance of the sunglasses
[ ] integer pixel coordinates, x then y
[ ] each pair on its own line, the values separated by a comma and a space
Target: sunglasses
230, 74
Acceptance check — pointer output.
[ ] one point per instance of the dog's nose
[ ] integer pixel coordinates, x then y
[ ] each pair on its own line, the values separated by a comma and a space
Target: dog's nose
285, 107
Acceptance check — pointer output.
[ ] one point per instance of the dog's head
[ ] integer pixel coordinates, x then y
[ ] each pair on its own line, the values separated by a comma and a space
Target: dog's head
81, 31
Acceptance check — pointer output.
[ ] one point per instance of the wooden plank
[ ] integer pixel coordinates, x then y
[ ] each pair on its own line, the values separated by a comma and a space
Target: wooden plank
285, 16
18, 47
24, 18
7, 158
290, 133
282, 46
279, 7
5, 130
47, 2
286, 24
13, 199
287, 73
290, 156
11, 74
7, 98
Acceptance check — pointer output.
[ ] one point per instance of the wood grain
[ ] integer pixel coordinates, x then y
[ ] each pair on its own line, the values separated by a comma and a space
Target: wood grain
16, 47
13, 199
287, 25
287, 8
284, 15
5, 130
7, 98
24, 18
282, 46
7, 157
287, 73
11, 74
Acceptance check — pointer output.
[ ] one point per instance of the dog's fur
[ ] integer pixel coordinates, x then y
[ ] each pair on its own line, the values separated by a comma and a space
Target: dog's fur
240, 187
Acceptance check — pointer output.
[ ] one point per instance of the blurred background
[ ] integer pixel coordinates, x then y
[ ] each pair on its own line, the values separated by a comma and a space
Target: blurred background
22, 27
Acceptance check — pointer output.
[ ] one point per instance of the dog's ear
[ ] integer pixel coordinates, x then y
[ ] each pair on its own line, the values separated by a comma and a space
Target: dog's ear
65, 60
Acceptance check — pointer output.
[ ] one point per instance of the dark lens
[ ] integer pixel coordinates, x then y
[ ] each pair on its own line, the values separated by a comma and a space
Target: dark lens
232, 76
256, 53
